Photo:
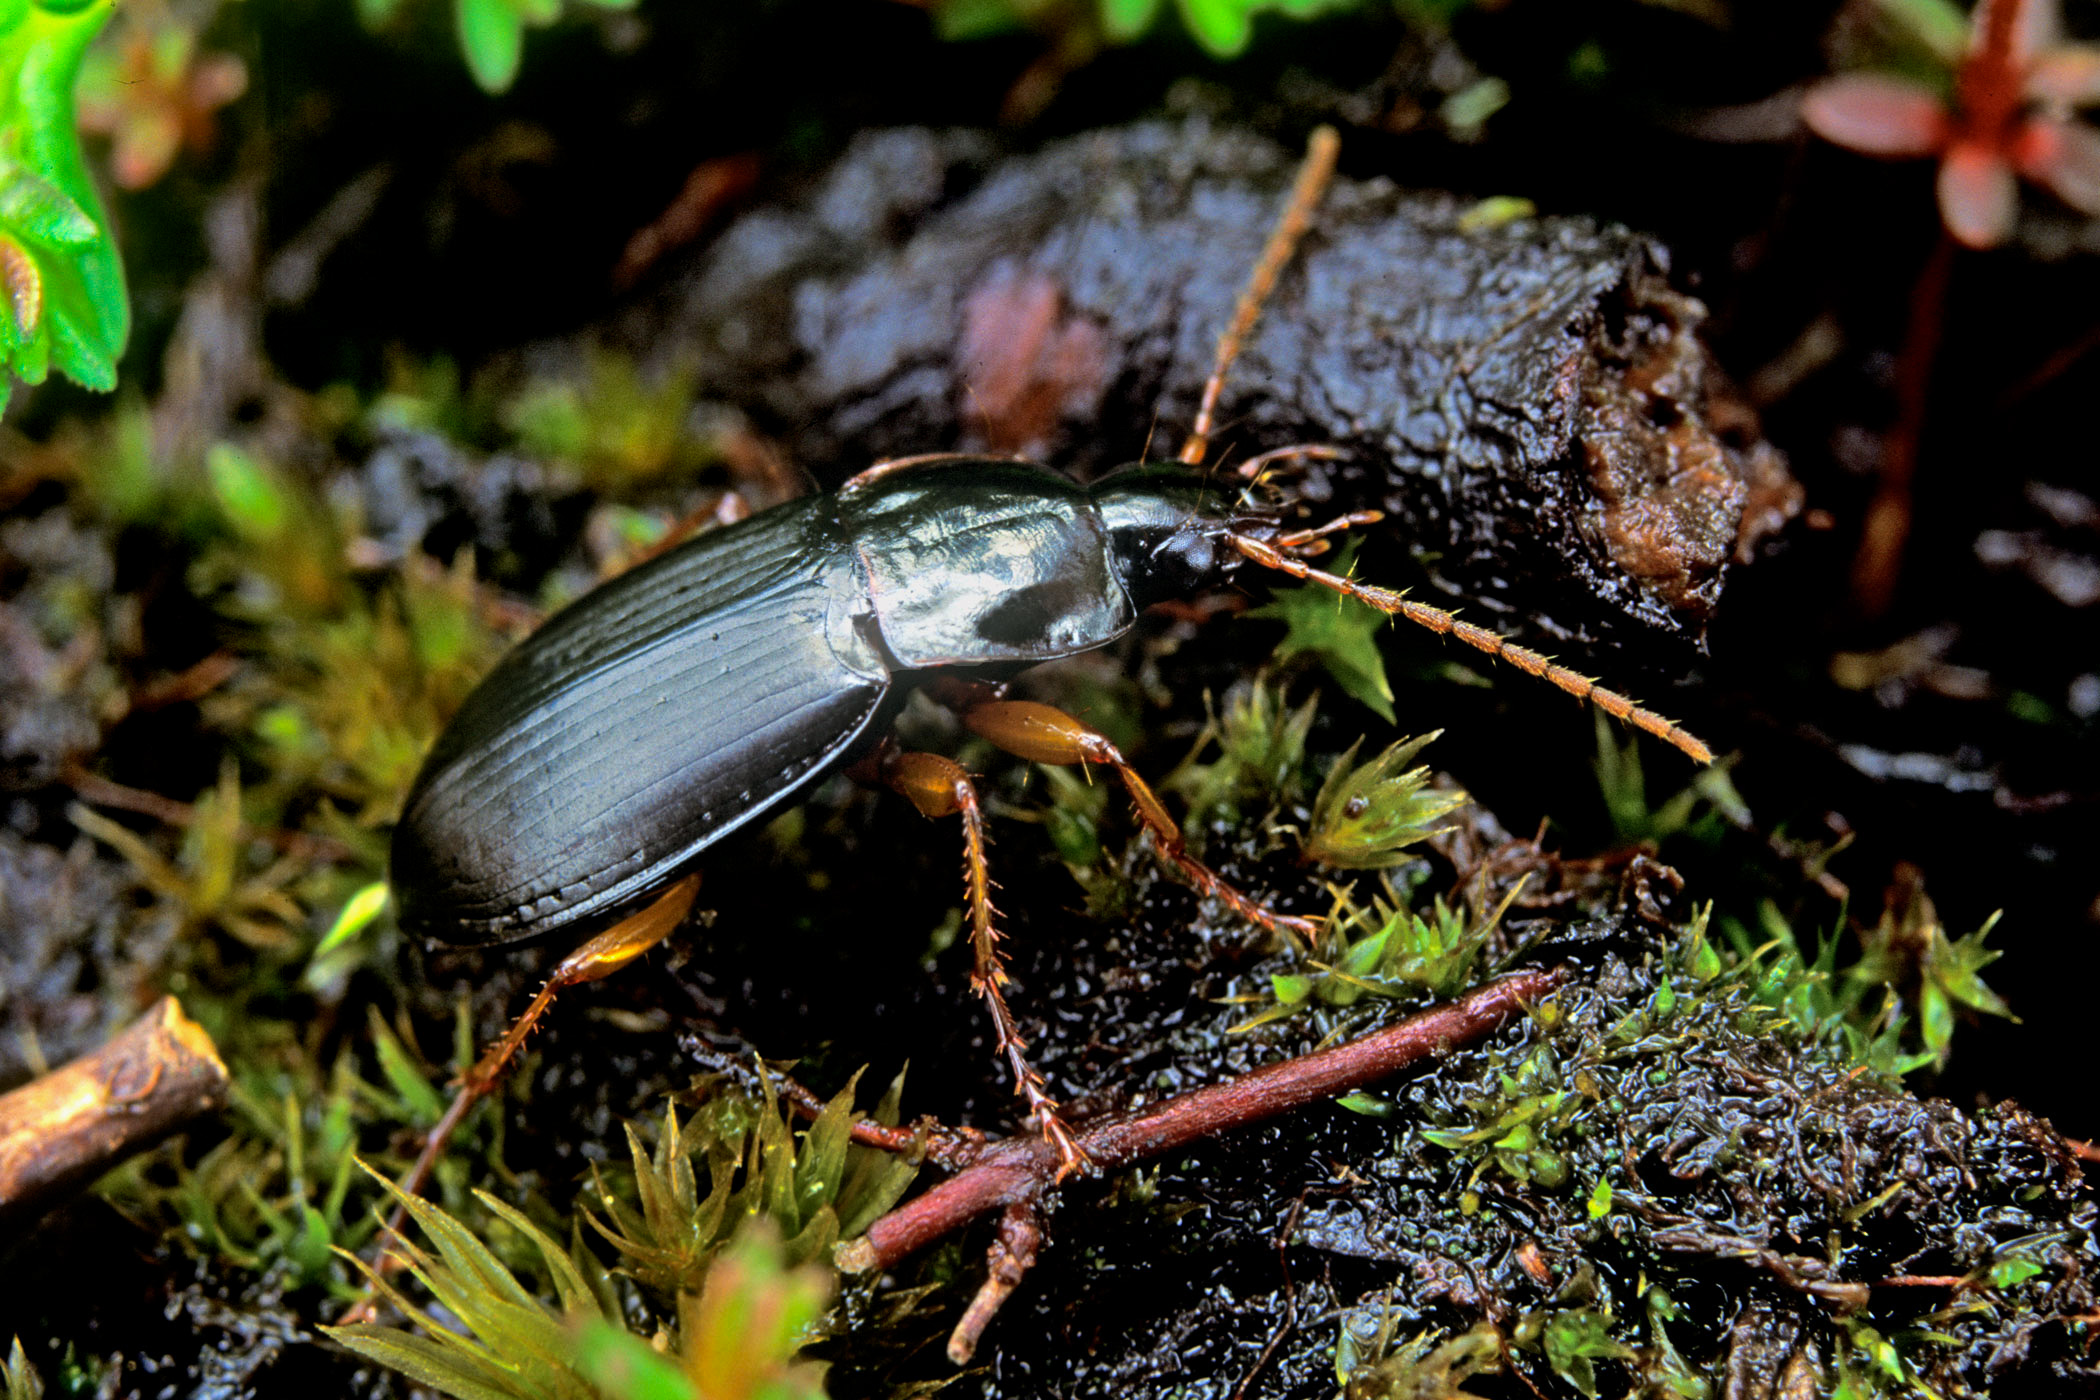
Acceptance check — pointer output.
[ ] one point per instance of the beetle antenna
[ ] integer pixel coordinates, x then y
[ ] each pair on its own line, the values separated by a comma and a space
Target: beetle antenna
1313, 175
1275, 556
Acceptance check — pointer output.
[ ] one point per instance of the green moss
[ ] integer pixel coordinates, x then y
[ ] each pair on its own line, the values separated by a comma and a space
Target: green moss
737, 1279
23, 1382
1425, 1367
607, 424
1367, 815
815, 1191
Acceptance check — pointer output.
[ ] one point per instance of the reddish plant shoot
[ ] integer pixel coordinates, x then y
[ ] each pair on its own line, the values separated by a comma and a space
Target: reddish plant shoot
2009, 116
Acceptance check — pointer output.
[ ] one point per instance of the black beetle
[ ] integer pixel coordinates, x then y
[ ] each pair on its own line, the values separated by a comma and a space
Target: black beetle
711, 687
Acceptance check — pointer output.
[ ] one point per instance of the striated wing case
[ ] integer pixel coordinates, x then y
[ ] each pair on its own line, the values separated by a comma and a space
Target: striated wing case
681, 701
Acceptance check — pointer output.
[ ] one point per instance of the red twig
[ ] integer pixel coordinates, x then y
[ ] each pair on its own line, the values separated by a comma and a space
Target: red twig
1014, 1175
1880, 559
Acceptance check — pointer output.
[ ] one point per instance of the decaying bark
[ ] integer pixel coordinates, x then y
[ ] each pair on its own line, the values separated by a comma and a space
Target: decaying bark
61, 1131
1528, 400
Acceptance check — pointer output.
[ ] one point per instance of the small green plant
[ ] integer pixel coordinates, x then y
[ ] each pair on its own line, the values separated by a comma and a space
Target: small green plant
1367, 815
62, 297
23, 1383
815, 1194
1871, 1366
1425, 1367
1388, 950
1573, 1341
1224, 27
1922, 976
281, 1192
743, 1270
219, 877
1260, 762
1514, 1128
514, 1344
611, 426
739, 1336
1701, 809
1908, 953
491, 32
1337, 633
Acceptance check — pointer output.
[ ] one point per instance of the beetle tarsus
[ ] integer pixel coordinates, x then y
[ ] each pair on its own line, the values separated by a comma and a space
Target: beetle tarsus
939, 787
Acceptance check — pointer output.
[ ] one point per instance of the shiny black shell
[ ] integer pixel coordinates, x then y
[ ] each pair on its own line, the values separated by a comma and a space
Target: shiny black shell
712, 686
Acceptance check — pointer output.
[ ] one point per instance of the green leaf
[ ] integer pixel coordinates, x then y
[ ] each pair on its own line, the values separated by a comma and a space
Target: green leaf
1937, 25
251, 499
23, 1383
1222, 26
1339, 633
425, 1104
39, 210
422, 1360
358, 913
492, 35
63, 281
2007, 1272
1365, 956
958, 20
623, 1365
1125, 20
314, 1245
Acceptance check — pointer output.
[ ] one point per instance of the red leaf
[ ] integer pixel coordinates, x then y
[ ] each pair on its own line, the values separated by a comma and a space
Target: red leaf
2064, 156
2065, 78
1876, 115
1978, 198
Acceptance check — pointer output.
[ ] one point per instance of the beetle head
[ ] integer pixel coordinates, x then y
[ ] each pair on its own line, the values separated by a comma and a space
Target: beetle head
1169, 529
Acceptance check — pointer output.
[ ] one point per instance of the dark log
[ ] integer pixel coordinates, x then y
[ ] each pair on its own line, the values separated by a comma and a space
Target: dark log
61, 1131
1527, 400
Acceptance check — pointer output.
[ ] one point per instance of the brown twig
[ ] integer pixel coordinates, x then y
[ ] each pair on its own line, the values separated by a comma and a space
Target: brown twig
62, 1130
1887, 529
98, 791
1014, 1175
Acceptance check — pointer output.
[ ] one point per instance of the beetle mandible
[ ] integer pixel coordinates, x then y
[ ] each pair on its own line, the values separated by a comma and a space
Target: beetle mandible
709, 688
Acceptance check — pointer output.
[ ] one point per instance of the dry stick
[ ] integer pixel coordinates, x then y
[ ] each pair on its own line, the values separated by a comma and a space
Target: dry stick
61, 1131
1012, 1175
